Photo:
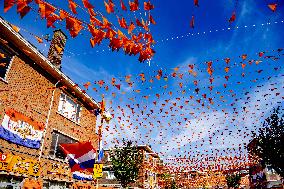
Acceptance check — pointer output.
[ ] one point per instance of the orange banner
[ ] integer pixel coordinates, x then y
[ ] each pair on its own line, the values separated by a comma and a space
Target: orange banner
17, 164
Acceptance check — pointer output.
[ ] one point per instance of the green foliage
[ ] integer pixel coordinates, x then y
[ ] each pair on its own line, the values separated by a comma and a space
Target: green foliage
170, 184
173, 185
166, 176
126, 163
233, 180
269, 142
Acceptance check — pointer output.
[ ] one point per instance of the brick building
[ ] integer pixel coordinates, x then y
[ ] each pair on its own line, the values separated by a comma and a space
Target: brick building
148, 176
262, 175
40, 107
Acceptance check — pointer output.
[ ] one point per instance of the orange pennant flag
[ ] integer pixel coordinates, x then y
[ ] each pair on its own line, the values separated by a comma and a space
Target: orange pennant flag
63, 14
87, 4
134, 6
123, 7
73, 25
131, 27
8, 4
272, 6
72, 6
51, 20
92, 41
2, 55
233, 17
122, 22
39, 39
151, 19
227, 69
109, 7
148, 6
17, 29
192, 22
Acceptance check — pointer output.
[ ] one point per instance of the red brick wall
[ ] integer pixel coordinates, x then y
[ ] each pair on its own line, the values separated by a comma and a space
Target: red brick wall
29, 91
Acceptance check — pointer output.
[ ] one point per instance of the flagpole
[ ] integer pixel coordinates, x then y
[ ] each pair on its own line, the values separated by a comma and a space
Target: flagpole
100, 134
47, 121
99, 146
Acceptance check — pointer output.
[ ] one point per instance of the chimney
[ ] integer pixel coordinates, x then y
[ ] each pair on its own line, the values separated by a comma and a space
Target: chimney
56, 48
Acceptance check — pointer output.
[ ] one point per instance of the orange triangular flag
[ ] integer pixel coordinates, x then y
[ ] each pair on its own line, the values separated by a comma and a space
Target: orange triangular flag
17, 29
123, 7
72, 6
8, 4
131, 27
39, 39
192, 22
272, 6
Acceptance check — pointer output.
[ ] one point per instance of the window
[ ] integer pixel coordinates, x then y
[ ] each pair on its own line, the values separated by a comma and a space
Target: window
57, 139
154, 162
68, 108
108, 175
5, 61
146, 175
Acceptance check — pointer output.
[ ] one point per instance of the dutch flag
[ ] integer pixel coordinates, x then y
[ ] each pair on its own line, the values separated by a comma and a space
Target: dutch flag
81, 155
101, 152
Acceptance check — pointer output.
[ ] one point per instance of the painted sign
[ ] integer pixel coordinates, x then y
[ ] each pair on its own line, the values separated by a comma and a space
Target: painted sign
5, 160
58, 169
98, 170
17, 164
151, 181
22, 130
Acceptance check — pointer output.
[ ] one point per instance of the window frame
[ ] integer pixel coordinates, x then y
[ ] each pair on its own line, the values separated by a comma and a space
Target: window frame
58, 133
63, 105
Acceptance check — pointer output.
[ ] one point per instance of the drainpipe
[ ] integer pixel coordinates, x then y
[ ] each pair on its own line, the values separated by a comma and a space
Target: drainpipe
47, 121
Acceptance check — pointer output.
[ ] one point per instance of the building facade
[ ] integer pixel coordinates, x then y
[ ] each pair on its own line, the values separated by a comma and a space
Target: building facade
262, 175
40, 108
148, 176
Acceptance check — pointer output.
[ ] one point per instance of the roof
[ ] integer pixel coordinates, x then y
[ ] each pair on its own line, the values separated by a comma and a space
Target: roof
146, 148
19, 41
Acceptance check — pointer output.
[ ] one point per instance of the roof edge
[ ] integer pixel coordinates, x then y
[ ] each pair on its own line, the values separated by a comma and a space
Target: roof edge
25, 46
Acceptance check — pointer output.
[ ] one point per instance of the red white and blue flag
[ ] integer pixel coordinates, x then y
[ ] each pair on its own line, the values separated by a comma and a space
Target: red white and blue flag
81, 155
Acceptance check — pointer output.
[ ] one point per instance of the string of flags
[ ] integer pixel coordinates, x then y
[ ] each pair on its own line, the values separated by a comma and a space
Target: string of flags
197, 110
99, 27
41, 38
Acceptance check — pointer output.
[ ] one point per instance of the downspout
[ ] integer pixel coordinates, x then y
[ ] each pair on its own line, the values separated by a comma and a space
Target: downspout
47, 121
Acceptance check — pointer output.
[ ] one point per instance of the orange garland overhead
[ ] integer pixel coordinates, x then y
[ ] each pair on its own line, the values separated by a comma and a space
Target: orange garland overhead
136, 44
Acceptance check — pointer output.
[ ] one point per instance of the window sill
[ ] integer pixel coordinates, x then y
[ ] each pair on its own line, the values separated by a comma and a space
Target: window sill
3, 80
68, 118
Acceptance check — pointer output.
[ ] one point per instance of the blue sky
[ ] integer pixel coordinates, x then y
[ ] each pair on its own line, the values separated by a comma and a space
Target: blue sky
256, 29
